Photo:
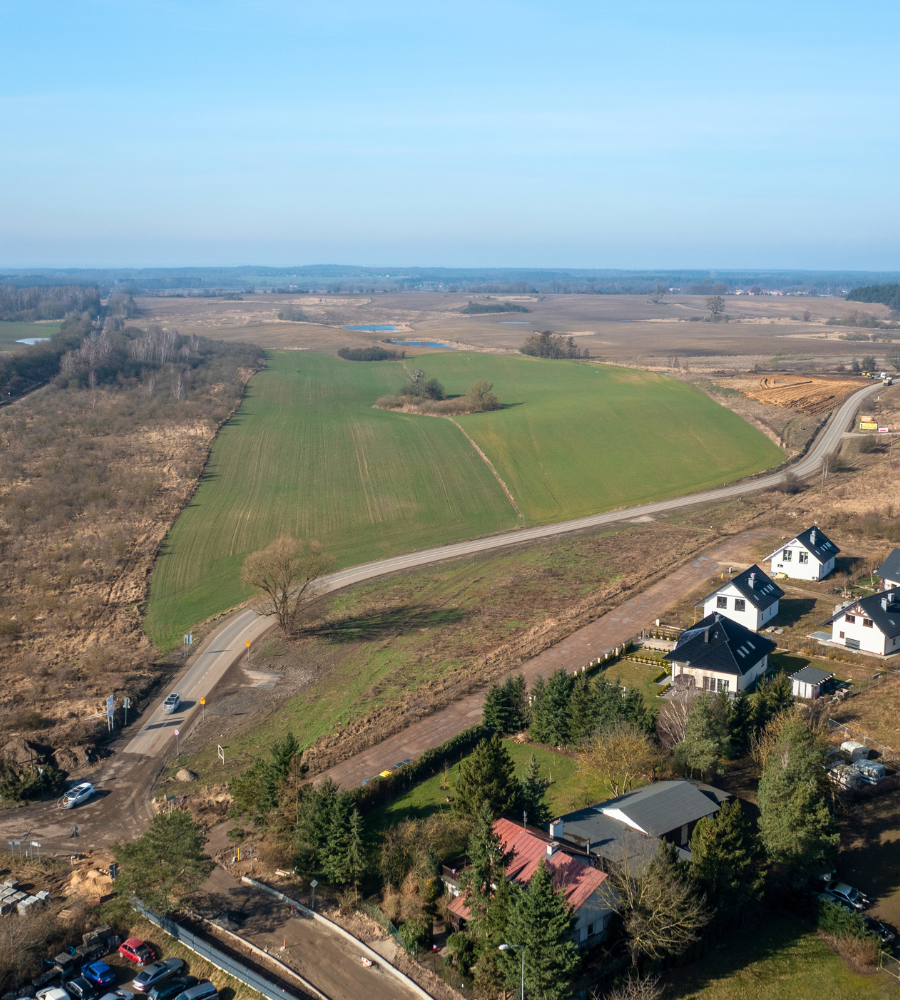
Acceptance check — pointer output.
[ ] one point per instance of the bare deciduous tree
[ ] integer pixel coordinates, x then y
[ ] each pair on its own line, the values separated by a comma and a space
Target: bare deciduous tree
284, 573
716, 306
661, 908
620, 754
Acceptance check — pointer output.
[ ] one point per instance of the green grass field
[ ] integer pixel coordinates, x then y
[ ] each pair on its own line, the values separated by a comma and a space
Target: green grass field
11, 332
570, 789
307, 454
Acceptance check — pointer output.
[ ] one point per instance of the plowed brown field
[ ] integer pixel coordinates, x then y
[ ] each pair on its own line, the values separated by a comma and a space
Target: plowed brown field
806, 393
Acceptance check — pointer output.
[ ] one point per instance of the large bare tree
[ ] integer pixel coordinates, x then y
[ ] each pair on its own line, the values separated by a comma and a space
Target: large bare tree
620, 754
284, 573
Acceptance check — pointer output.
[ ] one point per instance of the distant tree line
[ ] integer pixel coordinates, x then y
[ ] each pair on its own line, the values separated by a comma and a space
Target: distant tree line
25, 305
474, 308
887, 295
370, 354
550, 345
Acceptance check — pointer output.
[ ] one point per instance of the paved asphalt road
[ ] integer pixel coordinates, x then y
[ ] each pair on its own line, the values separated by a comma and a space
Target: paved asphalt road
121, 807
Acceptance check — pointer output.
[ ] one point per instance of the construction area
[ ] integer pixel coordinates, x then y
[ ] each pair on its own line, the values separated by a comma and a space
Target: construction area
810, 394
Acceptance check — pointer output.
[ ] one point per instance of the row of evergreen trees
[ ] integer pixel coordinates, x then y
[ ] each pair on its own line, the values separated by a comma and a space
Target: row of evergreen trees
564, 709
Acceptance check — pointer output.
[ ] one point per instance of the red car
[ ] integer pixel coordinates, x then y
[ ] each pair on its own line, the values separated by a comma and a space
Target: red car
138, 951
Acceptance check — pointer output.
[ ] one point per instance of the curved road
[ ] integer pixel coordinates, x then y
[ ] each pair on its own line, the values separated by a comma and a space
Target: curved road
121, 809
226, 645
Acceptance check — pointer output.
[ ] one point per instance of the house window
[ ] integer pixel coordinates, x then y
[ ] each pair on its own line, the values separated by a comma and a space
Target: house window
740, 604
867, 622
850, 618
787, 555
721, 602
803, 557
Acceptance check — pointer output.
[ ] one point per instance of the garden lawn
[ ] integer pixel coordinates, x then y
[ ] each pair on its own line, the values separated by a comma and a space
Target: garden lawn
307, 455
569, 788
778, 959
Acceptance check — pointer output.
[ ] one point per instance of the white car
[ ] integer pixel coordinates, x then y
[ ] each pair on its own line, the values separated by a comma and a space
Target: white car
171, 703
73, 797
52, 993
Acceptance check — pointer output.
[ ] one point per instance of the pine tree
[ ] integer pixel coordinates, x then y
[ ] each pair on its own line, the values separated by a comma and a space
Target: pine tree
582, 709
550, 724
740, 723
536, 709
727, 860
532, 788
514, 690
166, 864
704, 737
487, 776
540, 920
496, 713
797, 827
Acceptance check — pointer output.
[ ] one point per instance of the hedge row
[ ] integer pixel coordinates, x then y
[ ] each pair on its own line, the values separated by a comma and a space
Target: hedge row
380, 791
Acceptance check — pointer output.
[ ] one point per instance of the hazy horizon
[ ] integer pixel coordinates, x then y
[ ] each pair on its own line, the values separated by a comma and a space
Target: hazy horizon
646, 136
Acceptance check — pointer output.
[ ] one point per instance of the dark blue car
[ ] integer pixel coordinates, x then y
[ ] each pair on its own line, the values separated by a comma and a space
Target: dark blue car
98, 973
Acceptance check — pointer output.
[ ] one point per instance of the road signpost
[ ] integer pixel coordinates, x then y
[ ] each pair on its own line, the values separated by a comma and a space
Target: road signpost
177, 734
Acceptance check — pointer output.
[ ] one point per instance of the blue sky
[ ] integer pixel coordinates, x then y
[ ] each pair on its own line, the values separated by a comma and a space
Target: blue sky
579, 134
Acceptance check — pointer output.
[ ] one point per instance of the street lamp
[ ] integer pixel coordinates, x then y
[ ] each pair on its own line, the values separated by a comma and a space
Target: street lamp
521, 947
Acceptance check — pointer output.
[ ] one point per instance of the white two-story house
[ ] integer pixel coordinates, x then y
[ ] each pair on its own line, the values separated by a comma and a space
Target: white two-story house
809, 556
889, 572
871, 624
751, 598
720, 656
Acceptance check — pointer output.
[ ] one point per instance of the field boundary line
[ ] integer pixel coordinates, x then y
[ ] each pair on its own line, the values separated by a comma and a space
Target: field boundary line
490, 465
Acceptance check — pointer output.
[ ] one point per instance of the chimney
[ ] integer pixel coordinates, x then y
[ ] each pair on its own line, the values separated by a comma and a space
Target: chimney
556, 829
552, 849
812, 536
752, 580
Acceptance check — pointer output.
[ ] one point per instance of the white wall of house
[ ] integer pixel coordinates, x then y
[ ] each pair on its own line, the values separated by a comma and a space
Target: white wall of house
591, 919
849, 625
708, 680
730, 603
799, 563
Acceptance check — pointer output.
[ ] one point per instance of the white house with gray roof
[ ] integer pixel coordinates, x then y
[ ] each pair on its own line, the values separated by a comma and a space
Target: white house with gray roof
751, 599
808, 556
889, 571
627, 831
870, 624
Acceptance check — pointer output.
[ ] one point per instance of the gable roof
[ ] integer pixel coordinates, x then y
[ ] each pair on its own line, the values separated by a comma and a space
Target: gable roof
662, 807
883, 609
762, 592
890, 568
813, 540
575, 878
721, 645
811, 675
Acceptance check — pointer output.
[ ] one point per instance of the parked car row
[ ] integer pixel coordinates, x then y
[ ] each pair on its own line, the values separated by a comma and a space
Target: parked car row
157, 980
388, 771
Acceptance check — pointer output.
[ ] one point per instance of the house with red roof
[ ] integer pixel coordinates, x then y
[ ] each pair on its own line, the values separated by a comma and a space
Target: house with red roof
573, 874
